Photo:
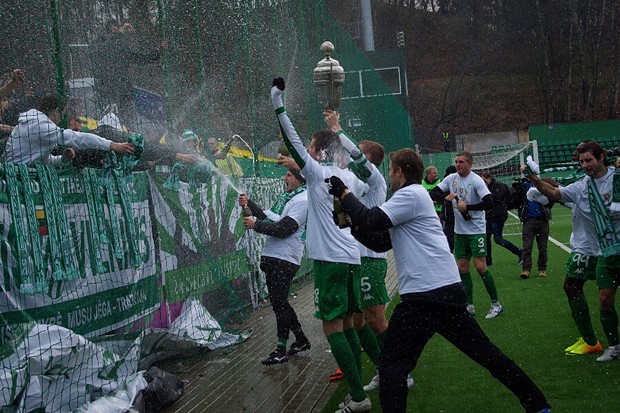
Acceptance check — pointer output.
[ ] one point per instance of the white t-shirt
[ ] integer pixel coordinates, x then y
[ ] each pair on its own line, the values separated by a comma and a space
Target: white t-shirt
376, 193
290, 248
324, 240
470, 189
577, 193
421, 251
583, 238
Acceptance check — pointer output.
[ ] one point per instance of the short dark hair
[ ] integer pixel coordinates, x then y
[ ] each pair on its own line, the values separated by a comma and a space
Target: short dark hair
410, 163
486, 175
450, 170
467, 155
590, 146
49, 103
328, 142
374, 149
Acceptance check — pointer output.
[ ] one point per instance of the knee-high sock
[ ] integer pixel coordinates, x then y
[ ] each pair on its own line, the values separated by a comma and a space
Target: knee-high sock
489, 284
356, 347
368, 339
344, 357
469, 287
609, 320
581, 314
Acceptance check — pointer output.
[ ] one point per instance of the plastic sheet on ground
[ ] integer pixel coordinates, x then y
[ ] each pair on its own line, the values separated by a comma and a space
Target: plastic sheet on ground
55, 370
52, 369
195, 328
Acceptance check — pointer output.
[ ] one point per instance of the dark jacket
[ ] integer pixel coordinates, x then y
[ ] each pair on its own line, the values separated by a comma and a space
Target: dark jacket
501, 194
93, 158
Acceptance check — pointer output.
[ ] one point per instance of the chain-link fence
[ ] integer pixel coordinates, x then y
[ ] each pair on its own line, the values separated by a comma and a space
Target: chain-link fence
132, 251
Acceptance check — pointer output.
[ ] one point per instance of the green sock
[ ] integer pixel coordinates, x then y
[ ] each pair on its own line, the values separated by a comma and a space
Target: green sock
581, 315
469, 287
489, 284
281, 342
381, 340
609, 320
356, 347
344, 357
368, 339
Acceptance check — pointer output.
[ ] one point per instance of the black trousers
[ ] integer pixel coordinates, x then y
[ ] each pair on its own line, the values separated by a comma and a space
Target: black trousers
413, 324
279, 274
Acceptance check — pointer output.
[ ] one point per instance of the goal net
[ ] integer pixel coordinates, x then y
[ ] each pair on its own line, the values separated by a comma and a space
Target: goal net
503, 162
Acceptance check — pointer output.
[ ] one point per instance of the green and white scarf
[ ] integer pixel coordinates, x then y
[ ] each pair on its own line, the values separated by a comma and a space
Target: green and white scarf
280, 203
26, 285
605, 231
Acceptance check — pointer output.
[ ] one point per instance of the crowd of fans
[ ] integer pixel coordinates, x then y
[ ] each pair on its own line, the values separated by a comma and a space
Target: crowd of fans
37, 135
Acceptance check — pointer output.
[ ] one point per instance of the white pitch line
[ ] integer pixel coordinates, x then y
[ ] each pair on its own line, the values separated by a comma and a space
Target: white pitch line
553, 240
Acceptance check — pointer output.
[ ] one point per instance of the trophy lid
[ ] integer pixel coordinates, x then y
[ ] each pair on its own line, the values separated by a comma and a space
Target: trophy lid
328, 69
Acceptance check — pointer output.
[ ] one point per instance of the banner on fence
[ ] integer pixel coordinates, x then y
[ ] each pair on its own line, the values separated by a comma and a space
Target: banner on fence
109, 289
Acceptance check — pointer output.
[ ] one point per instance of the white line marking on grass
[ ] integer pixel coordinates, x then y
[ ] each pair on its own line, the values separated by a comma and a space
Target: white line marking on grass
553, 240
559, 244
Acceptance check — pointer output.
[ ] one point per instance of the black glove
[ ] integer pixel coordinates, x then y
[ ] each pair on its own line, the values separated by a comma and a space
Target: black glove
336, 186
279, 83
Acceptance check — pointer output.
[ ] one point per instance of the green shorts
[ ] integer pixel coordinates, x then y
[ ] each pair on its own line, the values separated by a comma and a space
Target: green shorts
372, 282
467, 246
581, 267
608, 272
337, 290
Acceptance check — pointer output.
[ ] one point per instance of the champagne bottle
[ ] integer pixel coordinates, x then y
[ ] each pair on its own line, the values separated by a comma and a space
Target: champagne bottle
466, 215
246, 211
343, 219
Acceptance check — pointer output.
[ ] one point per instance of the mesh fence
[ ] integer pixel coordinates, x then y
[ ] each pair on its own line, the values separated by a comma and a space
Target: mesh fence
108, 256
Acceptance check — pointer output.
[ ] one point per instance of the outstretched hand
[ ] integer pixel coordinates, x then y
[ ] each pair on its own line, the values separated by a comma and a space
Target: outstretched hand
336, 186
276, 93
532, 167
122, 148
332, 120
279, 83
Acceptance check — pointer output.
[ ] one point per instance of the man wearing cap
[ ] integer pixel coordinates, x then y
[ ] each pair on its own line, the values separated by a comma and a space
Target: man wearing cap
283, 224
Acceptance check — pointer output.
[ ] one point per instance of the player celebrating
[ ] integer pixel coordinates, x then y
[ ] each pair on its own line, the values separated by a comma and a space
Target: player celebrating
470, 197
432, 297
334, 251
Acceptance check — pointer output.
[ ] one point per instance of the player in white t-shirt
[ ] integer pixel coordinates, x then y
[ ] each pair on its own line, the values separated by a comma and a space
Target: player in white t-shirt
433, 299
283, 224
580, 267
594, 195
470, 198
372, 324
336, 265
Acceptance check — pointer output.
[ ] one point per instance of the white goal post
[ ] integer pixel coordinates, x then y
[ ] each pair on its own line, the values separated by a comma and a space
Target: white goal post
504, 164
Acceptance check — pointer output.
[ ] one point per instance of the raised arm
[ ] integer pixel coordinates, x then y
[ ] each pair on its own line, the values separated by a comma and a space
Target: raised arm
289, 134
360, 165
545, 188
17, 79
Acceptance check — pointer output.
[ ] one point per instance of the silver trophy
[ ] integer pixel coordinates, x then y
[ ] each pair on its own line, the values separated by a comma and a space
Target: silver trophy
328, 78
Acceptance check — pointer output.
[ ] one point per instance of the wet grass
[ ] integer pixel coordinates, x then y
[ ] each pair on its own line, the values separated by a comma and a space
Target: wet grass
534, 330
